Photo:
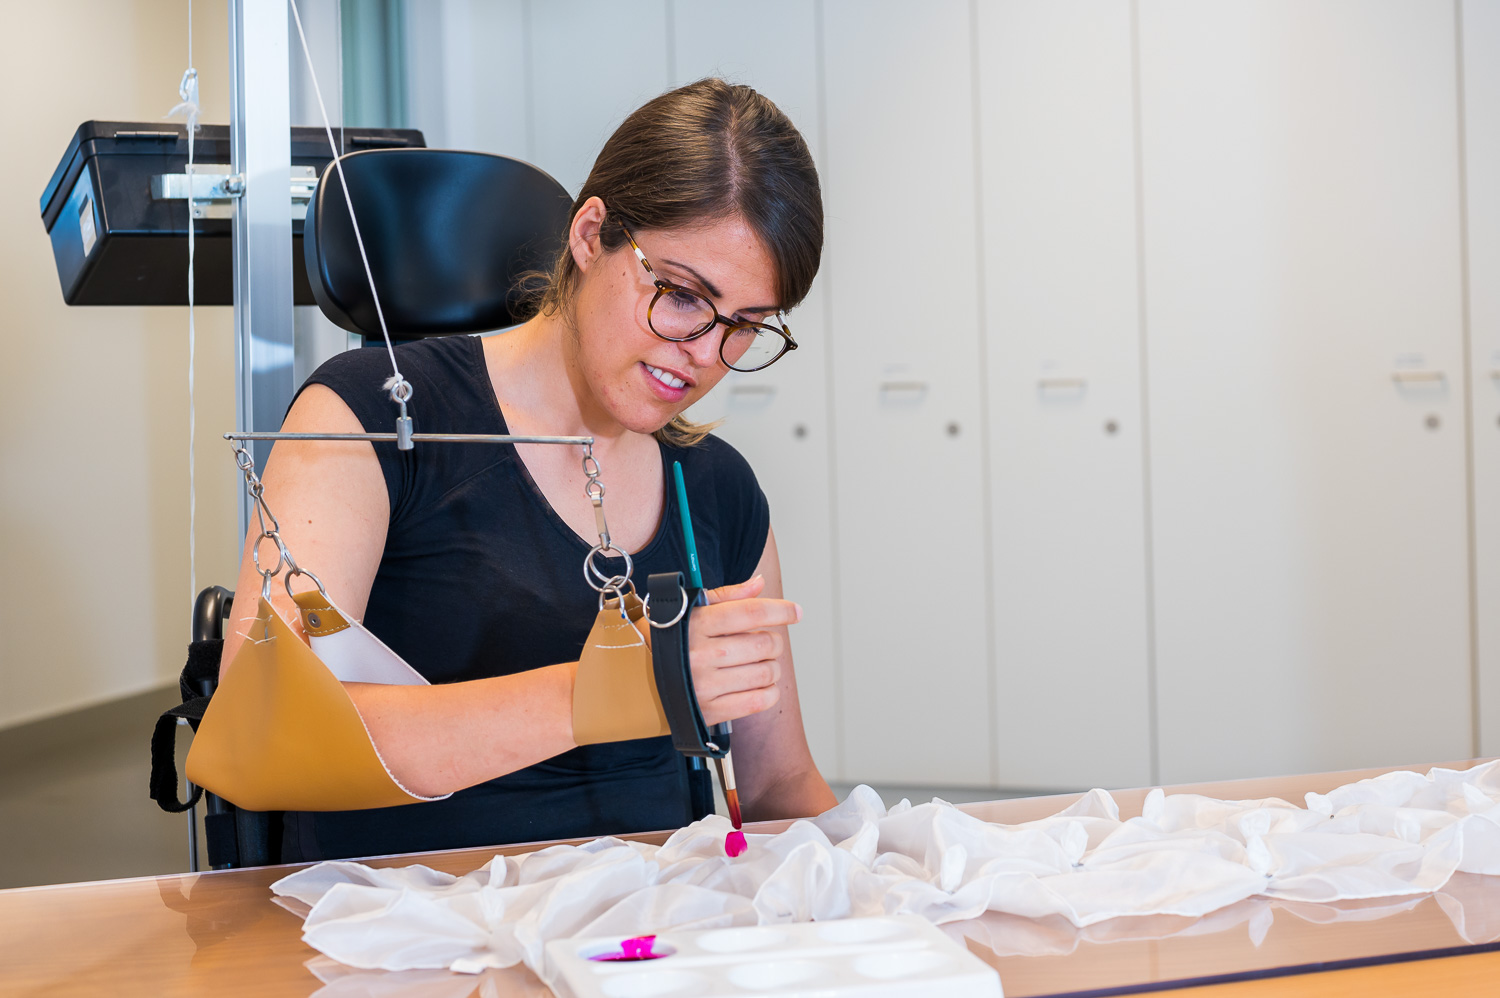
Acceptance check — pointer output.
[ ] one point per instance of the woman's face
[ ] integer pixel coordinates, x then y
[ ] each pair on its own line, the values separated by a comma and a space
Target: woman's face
638, 378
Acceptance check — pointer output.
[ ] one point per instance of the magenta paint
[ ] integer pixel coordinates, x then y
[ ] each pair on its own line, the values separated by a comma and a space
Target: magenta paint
639, 948
735, 844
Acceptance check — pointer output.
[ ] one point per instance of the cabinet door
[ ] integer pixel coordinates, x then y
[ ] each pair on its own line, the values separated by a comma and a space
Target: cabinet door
592, 63
778, 418
909, 482
1063, 342
1481, 43
1305, 345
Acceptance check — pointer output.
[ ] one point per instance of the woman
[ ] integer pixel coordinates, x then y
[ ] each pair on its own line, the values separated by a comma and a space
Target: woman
701, 215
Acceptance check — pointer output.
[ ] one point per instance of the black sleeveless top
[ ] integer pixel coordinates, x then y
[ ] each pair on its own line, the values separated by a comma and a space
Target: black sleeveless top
480, 577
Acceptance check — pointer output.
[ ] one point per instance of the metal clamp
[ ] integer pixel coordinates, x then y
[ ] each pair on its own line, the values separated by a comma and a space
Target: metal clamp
212, 189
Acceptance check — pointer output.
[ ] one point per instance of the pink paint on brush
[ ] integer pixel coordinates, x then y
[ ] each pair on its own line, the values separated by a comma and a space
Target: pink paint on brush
734, 843
638, 948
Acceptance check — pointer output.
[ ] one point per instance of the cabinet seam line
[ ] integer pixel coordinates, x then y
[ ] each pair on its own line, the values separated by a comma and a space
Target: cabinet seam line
831, 411
1149, 550
986, 466
1466, 359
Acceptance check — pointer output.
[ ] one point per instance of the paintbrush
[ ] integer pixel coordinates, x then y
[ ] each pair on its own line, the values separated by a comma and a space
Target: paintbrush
734, 843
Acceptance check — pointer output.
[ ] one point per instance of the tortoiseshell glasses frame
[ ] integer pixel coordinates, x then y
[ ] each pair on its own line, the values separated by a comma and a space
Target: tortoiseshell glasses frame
702, 315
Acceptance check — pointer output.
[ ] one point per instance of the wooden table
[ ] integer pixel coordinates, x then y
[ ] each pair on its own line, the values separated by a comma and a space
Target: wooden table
221, 934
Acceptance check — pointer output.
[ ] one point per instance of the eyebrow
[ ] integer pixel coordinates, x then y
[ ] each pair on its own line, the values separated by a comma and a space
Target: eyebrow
708, 286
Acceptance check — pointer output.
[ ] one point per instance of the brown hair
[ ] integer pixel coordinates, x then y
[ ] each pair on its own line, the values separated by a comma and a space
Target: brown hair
703, 152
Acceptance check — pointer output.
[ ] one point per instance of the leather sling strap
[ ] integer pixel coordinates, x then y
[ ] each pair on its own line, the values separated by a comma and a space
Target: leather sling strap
671, 608
281, 733
614, 692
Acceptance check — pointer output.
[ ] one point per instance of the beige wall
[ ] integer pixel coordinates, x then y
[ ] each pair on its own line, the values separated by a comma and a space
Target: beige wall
94, 593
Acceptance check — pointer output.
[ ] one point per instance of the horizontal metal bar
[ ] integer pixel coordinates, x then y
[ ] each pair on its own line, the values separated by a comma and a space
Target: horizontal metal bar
1406, 376
429, 438
1062, 382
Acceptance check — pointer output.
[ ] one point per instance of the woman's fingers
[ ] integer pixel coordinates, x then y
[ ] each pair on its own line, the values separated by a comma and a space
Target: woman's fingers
737, 645
734, 706
745, 590
745, 614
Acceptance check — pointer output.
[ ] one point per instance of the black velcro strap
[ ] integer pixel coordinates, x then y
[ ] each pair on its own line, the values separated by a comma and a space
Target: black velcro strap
196, 683
669, 658
164, 756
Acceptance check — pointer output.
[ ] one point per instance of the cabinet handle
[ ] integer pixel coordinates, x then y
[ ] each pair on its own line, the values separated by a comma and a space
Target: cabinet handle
1408, 377
1062, 382
903, 386
753, 390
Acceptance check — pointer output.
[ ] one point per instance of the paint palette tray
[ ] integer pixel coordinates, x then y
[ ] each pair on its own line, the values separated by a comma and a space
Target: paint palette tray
889, 957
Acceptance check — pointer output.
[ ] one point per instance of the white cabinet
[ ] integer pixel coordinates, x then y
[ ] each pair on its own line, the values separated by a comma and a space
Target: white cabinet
1305, 344
903, 297
592, 63
1063, 342
779, 418
1481, 40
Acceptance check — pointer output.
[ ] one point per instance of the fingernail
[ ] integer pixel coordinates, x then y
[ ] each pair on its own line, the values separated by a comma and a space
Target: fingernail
799, 610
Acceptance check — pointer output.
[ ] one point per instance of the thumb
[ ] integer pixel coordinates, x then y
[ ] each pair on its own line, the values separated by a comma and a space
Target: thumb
745, 590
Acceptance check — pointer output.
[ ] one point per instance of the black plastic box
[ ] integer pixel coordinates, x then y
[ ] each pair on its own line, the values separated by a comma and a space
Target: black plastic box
114, 244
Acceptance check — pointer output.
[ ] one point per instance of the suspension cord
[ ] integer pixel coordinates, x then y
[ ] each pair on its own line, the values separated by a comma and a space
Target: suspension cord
400, 389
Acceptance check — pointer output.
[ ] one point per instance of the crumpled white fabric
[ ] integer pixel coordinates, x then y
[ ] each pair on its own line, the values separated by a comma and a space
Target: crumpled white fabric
1400, 834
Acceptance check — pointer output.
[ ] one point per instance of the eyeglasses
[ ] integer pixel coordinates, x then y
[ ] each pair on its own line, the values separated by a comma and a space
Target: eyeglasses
679, 315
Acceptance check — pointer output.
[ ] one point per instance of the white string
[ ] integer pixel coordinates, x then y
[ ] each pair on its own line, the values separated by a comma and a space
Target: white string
189, 108
397, 382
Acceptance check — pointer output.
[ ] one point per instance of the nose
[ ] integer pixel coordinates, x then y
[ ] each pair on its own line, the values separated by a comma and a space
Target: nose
704, 351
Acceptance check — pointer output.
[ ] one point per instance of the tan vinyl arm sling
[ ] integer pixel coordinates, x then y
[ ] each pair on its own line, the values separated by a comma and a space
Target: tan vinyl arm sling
281, 733
614, 695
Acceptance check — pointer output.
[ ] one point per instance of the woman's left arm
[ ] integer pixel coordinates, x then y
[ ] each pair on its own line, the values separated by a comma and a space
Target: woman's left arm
773, 767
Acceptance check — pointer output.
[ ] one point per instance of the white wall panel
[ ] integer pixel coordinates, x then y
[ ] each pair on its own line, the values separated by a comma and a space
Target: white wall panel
779, 418
1481, 74
1302, 245
903, 298
592, 63
1064, 352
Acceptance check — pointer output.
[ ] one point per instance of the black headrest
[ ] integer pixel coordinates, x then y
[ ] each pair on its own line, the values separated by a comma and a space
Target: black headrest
447, 233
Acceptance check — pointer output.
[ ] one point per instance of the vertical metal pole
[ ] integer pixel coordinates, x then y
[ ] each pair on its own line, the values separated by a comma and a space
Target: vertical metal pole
260, 150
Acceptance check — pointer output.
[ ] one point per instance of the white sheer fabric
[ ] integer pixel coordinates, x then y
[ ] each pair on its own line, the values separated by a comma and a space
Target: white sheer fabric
1404, 833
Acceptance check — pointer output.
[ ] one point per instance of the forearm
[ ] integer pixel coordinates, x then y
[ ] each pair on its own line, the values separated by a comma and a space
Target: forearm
801, 793
437, 739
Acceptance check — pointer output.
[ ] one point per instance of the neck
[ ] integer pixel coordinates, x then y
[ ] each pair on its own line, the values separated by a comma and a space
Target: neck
536, 369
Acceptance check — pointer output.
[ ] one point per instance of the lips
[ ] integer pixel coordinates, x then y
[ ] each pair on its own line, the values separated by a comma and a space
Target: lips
667, 386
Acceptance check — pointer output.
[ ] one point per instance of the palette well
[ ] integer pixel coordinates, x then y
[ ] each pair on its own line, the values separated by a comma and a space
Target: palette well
890, 957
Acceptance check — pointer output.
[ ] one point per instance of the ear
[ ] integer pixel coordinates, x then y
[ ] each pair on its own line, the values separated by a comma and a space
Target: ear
583, 234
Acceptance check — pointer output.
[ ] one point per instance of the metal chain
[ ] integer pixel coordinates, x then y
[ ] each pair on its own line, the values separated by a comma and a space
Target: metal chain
269, 531
597, 580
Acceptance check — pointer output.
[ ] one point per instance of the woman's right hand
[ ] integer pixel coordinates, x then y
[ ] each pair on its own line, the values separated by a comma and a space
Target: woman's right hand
736, 645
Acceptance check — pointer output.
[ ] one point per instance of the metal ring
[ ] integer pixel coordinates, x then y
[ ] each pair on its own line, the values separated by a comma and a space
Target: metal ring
675, 620
594, 490
589, 460
401, 391
618, 586
274, 538
302, 571
590, 572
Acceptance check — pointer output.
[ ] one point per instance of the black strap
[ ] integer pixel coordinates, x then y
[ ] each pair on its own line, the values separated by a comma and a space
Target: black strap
196, 685
668, 593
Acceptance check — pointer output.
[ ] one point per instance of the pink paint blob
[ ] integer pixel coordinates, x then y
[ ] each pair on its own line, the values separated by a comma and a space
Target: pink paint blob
734, 843
638, 948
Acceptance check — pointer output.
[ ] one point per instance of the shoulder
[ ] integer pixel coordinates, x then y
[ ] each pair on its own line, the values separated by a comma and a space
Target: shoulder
715, 466
442, 371
724, 487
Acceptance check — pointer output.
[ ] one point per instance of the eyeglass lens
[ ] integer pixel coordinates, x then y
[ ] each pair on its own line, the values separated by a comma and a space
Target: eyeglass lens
681, 315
